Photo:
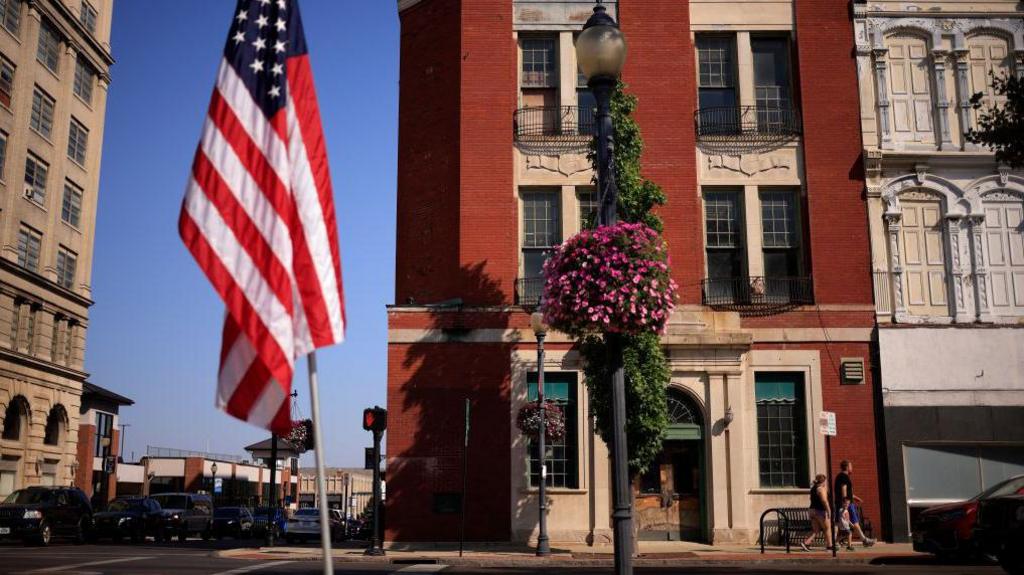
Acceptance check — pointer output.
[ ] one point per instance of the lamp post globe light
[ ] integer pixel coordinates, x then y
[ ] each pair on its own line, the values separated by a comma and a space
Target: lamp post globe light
540, 330
601, 53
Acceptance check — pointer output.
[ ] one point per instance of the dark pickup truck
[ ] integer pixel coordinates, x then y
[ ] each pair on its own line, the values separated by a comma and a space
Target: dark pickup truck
1000, 531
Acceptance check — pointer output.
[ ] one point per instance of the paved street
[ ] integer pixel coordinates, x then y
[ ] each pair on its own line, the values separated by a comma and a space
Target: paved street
196, 557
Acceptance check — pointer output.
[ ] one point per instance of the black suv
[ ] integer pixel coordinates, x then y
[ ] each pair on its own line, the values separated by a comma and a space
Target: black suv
185, 514
131, 517
37, 514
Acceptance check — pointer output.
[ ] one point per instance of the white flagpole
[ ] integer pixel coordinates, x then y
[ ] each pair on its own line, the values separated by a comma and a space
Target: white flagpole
321, 481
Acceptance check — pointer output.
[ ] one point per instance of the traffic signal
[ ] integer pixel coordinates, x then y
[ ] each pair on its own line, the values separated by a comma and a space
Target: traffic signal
375, 419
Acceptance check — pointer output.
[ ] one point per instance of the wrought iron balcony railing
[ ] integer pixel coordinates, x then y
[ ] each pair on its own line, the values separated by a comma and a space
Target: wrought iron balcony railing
554, 129
757, 292
529, 291
745, 127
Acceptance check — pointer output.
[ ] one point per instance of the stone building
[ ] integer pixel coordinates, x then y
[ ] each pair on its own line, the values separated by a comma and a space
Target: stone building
349, 489
54, 62
947, 247
749, 112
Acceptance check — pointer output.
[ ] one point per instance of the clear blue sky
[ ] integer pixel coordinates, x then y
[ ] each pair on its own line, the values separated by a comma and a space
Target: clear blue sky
155, 329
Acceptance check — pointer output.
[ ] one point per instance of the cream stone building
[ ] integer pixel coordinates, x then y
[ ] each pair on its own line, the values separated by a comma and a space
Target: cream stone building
947, 247
54, 62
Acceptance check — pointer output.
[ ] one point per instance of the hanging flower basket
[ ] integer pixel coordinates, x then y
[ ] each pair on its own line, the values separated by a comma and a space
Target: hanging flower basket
611, 279
301, 436
528, 420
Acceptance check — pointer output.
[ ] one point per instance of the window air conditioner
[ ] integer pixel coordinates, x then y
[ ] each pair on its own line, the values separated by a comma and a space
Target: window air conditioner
30, 193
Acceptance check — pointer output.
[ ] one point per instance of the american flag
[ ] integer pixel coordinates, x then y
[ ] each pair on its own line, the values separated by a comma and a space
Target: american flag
258, 214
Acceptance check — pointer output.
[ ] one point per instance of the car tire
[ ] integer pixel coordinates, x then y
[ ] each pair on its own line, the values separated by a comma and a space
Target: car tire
183, 536
290, 539
80, 532
206, 535
45, 534
138, 536
1012, 562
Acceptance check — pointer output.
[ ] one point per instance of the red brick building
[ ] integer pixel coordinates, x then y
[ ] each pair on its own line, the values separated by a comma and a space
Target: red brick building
749, 112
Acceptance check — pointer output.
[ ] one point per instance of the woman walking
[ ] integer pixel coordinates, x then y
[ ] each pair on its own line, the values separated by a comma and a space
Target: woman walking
821, 513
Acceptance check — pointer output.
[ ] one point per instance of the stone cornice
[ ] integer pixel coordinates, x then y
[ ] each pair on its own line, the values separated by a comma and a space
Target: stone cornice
403, 4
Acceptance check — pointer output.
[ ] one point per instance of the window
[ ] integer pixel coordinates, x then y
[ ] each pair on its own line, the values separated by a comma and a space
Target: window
14, 418
588, 206
29, 242
716, 71
6, 483
781, 429
771, 80
85, 77
55, 344
940, 473
723, 223
542, 229
67, 261
54, 425
48, 51
36, 171
71, 206
780, 233
41, 119
6, 81
586, 104
562, 458
540, 63
78, 141
3, 154
104, 430
10, 15
88, 17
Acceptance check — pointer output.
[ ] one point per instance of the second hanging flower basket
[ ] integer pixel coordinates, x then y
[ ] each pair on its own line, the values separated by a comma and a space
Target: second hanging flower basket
611, 279
301, 436
528, 420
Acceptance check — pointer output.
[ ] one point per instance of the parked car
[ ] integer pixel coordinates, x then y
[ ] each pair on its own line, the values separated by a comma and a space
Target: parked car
234, 522
185, 514
37, 514
134, 518
305, 524
948, 530
1000, 531
259, 516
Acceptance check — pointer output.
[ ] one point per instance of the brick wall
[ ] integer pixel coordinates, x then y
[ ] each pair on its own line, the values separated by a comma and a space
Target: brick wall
856, 412
488, 240
427, 388
193, 478
86, 443
660, 72
837, 211
427, 254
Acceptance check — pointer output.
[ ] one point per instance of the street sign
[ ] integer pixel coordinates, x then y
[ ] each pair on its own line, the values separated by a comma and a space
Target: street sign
218, 485
110, 464
827, 423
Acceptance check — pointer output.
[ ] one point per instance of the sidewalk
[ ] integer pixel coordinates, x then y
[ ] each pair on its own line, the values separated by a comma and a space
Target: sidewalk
651, 554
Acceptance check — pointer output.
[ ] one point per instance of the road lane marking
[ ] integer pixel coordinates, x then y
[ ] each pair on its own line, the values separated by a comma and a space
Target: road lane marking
252, 568
89, 564
422, 568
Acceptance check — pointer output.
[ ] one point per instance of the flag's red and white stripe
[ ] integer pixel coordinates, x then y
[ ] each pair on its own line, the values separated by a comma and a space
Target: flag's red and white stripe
259, 219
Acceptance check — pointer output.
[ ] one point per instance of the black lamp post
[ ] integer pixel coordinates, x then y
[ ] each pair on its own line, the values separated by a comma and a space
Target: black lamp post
540, 330
601, 52
213, 476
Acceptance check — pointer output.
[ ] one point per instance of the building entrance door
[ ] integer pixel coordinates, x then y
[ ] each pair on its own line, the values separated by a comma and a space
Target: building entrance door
670, 495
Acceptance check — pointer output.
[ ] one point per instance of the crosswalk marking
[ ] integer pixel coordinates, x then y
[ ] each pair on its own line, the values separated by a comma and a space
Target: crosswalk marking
252, 568
89, 564
422, 568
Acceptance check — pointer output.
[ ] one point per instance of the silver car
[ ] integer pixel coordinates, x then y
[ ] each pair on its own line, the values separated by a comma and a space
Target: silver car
305, 524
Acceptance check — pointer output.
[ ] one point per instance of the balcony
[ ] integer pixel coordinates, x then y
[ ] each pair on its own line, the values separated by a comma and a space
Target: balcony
554, 129
746, 129
529, 291
757, 295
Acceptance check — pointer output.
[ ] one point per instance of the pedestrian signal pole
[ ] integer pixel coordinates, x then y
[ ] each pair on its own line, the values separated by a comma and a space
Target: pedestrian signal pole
375, 419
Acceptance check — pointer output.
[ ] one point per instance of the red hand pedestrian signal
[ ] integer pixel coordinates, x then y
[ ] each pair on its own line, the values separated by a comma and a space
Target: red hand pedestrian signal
375, 419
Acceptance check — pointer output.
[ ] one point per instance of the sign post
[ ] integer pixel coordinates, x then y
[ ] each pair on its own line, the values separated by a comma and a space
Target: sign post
465, 470
827, 427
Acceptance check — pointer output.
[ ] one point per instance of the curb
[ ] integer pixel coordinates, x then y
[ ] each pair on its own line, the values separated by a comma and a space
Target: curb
571, 561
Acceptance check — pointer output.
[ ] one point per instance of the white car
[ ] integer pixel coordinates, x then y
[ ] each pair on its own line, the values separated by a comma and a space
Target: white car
305, 524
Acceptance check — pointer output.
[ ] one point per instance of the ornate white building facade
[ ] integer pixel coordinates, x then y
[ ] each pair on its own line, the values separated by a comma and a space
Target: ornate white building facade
947, 241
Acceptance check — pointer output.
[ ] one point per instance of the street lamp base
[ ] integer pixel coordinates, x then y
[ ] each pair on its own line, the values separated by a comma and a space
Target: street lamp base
374, 551
543, 547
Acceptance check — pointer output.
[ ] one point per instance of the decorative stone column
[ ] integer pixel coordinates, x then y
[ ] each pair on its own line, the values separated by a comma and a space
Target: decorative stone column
963, 95
899, 307
953, 230
978, 271
882, 94
941, 101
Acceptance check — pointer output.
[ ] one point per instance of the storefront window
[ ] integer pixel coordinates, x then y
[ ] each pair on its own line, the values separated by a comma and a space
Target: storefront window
562, 455
781, 429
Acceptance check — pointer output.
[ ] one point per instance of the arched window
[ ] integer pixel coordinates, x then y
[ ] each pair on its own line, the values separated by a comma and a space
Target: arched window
910, 89
987, 55
684, 417
56, 422
923, 248
15, 418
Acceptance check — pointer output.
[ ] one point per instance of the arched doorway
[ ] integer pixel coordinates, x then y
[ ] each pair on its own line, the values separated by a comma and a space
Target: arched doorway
670, 495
